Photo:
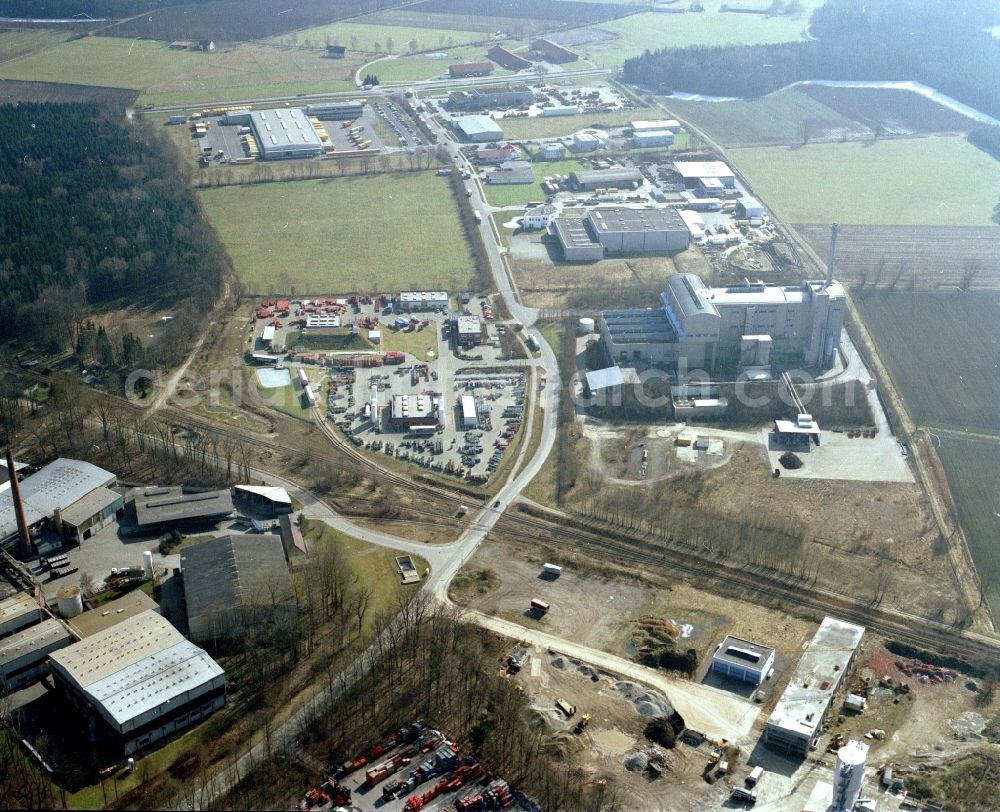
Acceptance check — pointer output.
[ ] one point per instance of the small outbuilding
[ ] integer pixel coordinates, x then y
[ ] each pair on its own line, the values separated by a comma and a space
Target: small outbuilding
743, 660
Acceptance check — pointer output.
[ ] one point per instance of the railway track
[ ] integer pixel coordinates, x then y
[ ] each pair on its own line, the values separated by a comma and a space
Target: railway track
458, 496
904, 627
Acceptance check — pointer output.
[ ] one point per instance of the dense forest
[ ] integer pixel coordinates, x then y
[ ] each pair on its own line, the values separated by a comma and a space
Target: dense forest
95, 212
927, 41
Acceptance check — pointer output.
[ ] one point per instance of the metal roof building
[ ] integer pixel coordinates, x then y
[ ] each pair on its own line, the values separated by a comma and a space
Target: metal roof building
693, 171
668, 124
477, 128
410, 411
639, 231
336, 111
271, 498
285, 133
578, 244
174, 506
142, 678
607, 378
23, 655
423, 299
590, 179
55, 488
798, 717
466, 69
234, 582
17, 612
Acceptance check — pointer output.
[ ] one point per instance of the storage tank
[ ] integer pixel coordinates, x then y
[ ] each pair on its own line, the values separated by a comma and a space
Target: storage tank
585, 326
147, 564
70, 601
849, 775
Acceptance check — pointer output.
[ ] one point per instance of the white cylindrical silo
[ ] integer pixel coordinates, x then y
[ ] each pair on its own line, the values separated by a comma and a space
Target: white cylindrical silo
70, 601
147, 563
585, 326
849, 775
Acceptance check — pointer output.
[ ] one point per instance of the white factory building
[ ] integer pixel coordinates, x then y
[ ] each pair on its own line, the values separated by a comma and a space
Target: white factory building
743, 660
697, 327
139, 681
411, 300
798, 717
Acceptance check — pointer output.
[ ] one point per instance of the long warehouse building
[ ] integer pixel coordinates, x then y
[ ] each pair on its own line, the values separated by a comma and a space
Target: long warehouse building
798, 717
284, 134
141, 679
618, 230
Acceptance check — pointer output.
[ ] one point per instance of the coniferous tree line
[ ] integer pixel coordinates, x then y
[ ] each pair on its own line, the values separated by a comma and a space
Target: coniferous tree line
929, 41
95, 211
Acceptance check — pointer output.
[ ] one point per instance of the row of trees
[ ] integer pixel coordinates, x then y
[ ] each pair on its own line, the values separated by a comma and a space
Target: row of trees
95, 211
874, 40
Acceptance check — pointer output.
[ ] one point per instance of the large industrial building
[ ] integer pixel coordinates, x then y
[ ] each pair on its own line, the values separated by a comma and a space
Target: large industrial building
485, 98
697, 327
413, 412
18, 612
234, 582
139, 681
466, 69
798, 717
286, 133
75, 496
620, 231
411, 300
477, 129
159, 508
552, 52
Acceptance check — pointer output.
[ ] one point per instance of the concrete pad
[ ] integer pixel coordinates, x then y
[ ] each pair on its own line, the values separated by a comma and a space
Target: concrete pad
879, 459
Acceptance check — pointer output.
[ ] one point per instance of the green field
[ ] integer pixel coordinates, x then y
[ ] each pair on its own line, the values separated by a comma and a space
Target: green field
184, 76
938, 181
522, 128
973, 470
651, 31
382, 232
361, 36
416, 68
518, 194
942, 351
28, 40
781, 117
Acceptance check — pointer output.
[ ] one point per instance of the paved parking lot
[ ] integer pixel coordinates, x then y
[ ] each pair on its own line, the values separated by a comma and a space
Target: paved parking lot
433, 370
406, 134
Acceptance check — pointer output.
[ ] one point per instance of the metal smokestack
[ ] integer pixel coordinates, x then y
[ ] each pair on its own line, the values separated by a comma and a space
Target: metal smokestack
834, 230
25, 548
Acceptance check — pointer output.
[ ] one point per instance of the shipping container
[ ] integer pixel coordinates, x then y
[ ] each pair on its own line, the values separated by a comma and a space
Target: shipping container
552, 569
540, 605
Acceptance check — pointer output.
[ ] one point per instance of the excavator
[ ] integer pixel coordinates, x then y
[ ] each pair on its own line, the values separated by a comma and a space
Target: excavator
582, 724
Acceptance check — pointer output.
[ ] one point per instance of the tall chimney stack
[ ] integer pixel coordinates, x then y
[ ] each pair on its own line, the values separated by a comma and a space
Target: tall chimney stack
26, 547
834, 230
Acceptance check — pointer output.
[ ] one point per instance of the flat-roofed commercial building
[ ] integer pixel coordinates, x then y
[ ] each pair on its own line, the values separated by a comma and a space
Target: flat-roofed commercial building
578, 244
112, 613
336, 111
743, 660
669, 124
141, 680
694, 171
23, 655
484, 98
176, 507
798, 717
285, 133
639, 231
411, 300
233, 583
409, 412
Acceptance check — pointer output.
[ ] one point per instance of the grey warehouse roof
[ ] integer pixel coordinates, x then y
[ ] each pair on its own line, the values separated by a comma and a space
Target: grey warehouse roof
589, 177
91, 504
635, 326
624, 219
57, 486
572, 231
48, 632
476, 125
224, 573
690, 294
133, 668
282, 130
161, 505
